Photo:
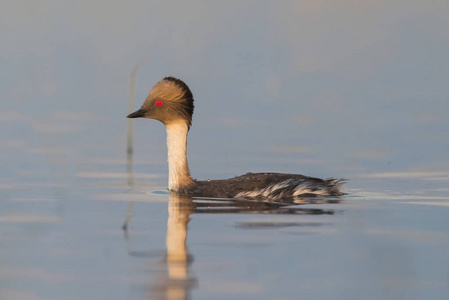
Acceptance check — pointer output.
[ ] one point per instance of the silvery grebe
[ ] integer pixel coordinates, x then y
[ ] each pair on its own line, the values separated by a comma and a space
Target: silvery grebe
171, 102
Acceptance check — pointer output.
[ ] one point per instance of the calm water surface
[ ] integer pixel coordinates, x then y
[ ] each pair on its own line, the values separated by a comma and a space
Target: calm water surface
351, 89
62, 237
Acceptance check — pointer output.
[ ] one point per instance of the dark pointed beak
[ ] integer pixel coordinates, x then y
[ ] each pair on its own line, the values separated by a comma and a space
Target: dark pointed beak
137, 114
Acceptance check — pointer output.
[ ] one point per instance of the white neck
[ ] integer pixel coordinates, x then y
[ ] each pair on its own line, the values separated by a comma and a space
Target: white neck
178, 169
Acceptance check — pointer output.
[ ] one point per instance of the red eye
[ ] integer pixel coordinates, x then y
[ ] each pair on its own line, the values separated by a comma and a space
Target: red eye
158, 103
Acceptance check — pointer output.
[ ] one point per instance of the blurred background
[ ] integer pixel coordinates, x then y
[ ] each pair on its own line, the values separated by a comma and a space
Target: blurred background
352, 89
337, 87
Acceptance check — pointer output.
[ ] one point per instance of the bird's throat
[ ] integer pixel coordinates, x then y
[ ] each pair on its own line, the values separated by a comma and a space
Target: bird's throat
178, 169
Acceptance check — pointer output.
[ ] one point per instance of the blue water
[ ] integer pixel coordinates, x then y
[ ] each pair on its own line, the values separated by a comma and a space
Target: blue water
326, 89
72, 246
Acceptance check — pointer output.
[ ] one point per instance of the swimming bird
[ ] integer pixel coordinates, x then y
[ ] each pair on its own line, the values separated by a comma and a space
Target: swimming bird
170, 101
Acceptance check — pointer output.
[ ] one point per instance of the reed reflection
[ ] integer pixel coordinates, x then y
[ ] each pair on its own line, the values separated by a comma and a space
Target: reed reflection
176, 282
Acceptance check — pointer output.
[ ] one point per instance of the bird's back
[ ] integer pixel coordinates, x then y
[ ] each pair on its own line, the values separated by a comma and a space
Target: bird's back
266, 186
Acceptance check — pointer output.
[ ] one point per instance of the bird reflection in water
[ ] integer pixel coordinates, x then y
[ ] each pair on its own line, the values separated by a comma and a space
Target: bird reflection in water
177, 282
